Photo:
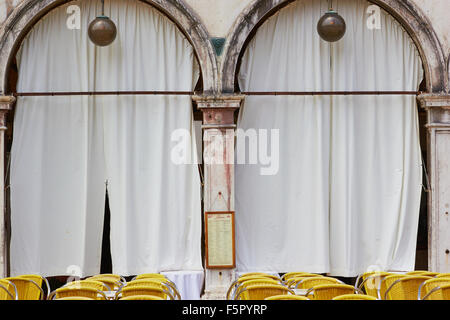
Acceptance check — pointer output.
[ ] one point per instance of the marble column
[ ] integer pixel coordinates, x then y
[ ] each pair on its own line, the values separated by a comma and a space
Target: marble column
6, 103
438, 126
218, 134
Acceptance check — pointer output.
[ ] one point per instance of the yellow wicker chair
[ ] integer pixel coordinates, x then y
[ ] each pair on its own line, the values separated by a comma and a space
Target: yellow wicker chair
149, 275
77, 291
439, 293
27, 289
112, 276
111, 282
430, 284
152, 289
422, 273
440, 275
310, 282
252, 282
405, 288
153, 276
286, 297
285, 277
142, 297
354, 297
268, 275
371, 282
74, 298
88, 283
8, 290
329, 291
262, 291
40, 280
291, 282
385, 283
162, 282
232, 289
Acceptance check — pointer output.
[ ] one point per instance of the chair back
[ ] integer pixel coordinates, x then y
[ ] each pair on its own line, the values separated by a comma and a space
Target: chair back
329, 291
232, 289
268, 275
422, 273
89, 283
439, 293
371, 282
77, 291
40, 280
285, 277
261, 281
262, 291
354, 297
144, 289
142, 297
291, 282
286, 297
149, 275
111, 282
27, 289
8, 290
74, 298
162, 282
386, 282
405, 288
310, 282
429, 285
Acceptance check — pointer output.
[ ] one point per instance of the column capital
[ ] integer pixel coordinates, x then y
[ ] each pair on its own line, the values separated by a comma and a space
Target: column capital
219, 101
433, 100
218, 111
6, 102
438, 108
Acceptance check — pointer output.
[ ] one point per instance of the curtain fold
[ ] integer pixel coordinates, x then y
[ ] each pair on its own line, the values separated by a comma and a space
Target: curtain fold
282, 218
66, 148
369, 167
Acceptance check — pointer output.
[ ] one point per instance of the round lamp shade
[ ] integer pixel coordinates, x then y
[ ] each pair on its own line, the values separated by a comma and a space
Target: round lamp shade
331, 27
102, 31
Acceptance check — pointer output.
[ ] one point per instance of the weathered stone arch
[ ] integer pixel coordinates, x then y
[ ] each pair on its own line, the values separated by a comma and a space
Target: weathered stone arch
405, 12
28, 13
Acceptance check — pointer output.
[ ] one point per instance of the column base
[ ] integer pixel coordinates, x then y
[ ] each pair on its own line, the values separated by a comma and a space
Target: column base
219, 293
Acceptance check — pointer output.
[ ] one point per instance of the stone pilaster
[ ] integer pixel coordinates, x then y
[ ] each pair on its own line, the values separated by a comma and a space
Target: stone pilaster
438, 125
6, 103
218, 134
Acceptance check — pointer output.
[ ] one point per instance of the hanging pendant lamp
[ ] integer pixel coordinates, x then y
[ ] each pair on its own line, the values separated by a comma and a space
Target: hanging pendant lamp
331, 27
102, 31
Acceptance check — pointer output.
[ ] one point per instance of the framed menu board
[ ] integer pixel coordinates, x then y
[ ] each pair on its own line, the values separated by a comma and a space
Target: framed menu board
220, 243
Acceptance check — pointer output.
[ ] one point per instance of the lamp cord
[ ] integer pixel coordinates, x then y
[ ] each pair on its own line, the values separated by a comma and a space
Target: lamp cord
103, 7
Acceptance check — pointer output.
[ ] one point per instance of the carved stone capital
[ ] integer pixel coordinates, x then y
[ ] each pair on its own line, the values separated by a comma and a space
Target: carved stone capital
218, 111
6, 103
438, 109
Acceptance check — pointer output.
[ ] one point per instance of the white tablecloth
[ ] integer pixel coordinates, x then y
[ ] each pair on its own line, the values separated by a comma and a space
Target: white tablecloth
189, 283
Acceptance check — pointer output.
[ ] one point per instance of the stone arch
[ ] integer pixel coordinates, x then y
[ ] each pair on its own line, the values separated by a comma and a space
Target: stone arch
28, 13
405, 12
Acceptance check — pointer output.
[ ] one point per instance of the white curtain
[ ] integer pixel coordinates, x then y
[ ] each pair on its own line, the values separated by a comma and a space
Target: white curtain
347, 193
124, 141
